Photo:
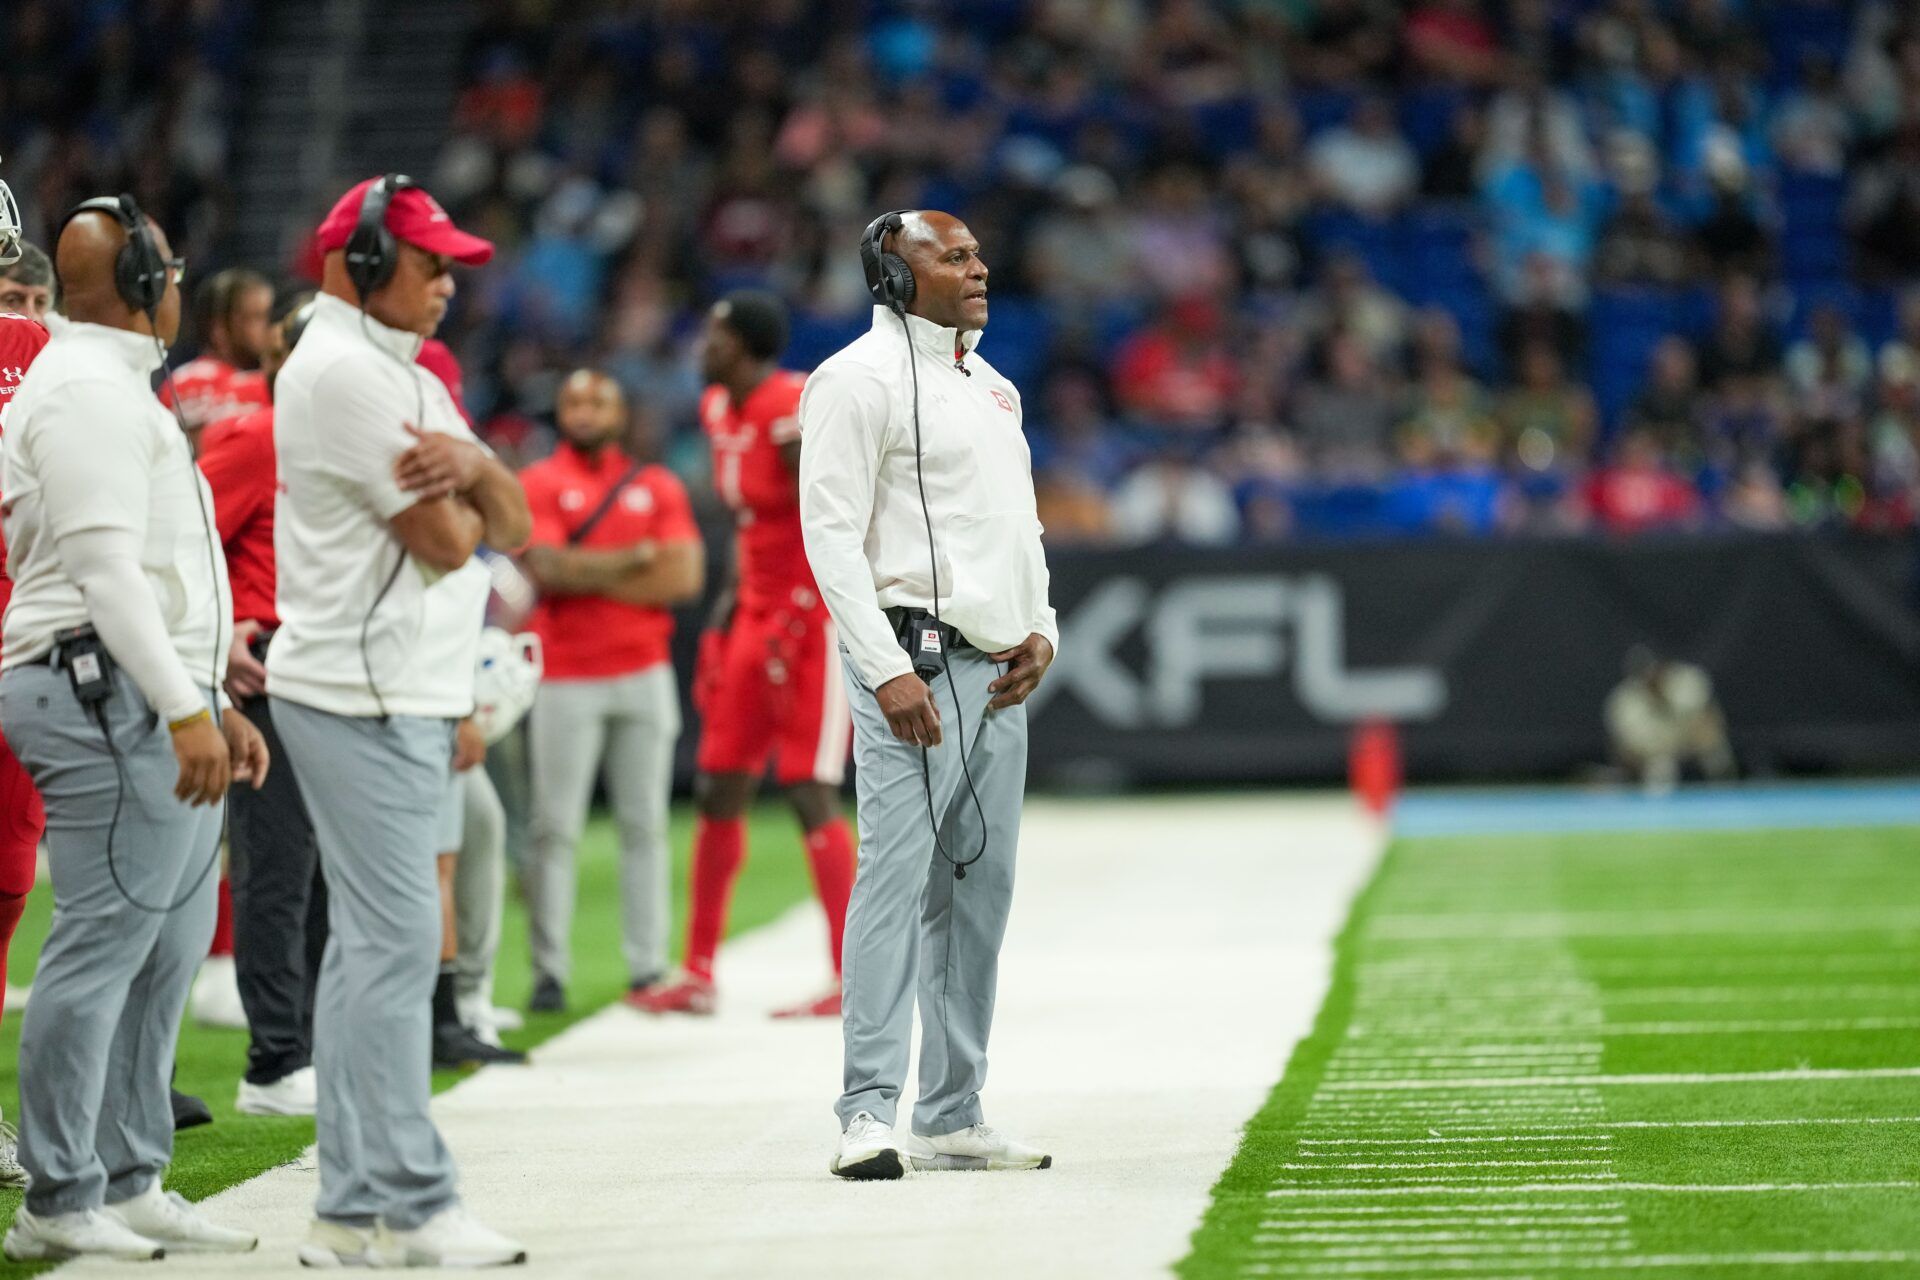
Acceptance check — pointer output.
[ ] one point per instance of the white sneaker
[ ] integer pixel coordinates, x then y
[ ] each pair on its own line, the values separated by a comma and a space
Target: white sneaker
450, 1238
975, 1147
295, 1094
86, 1233
177, 1223
335, 1244
868, 1152
12, 1172
17, 999
484, 1018
216, 995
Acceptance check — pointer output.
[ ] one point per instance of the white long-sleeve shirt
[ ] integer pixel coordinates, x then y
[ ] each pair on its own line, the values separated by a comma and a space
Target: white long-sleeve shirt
860, 509
365, 629
109, 521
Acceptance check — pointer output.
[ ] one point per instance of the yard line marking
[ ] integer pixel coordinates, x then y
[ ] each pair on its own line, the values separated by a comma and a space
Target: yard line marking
1450, 1164
1505, 1137
1506, 1180
1891, 959
1618, 1262
1435, 1237
1480, 926
1652, 1078
1673, 995
1523, 1206
1525, 1220
1699, 1028
1611, 1188
1587, 1246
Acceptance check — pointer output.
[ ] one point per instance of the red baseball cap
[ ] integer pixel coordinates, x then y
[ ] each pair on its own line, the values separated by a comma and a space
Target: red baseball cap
412, 216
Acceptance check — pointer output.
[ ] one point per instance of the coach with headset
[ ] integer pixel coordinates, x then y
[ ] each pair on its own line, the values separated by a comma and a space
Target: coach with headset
917, 507
115, 647
385, 495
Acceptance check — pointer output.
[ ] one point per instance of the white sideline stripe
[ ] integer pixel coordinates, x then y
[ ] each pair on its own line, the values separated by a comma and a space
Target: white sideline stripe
1893, 959
1449, 1164
1674, 995
1650, 1078
1623, 1262
1542, 1149
1508, 1181
1742, 1027
1577, 1130
1611, 1188
635, 1147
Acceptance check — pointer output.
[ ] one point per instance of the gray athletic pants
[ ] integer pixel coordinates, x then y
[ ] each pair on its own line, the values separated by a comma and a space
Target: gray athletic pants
479, 880
629, 723
374, 792
97, 1044
909, 921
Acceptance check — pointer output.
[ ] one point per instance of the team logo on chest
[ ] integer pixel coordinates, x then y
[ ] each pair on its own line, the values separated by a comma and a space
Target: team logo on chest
1001, 398
637, 500
572, 499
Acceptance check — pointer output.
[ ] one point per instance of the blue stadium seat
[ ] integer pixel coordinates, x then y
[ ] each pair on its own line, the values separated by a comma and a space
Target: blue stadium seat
1019, 338
815, 337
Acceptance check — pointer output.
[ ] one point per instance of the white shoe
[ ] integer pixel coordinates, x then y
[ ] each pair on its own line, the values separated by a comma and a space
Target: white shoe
12, 1172
450, 1238
216, 995
17, 999
975, 1147
295, 1094
177, 1223
335, 1244
868, 1152
484, 1018
87, 1233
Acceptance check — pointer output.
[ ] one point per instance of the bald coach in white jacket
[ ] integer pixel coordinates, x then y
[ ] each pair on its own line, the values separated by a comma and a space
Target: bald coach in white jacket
916, 497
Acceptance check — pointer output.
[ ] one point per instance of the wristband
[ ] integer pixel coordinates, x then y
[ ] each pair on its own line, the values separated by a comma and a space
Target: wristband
175, 726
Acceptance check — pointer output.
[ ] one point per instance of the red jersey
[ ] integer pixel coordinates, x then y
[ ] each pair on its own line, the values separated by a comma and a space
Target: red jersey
237, 458
763, 492
592, 637
212, 391
20, 341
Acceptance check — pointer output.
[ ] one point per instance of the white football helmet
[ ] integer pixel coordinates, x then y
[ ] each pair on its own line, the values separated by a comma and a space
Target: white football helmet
9, 227
505, 678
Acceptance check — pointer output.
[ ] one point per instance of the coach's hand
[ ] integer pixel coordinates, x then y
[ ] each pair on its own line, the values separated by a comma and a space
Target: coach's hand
246, 675
206, 765
438, 464
907, 704
469, 746
1026, 663
246, 749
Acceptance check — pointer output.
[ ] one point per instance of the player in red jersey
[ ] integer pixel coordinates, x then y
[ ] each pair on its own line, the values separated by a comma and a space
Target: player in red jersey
768, 686
22, 817
232, 314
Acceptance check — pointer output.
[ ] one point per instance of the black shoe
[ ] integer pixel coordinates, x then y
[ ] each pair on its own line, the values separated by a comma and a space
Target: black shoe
455, 1046
548, 996
188, 1111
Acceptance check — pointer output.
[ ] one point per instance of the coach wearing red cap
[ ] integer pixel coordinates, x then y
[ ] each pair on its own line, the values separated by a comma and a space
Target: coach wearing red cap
384, 496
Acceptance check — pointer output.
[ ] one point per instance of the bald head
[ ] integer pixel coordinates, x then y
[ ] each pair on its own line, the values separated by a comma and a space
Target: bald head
89, 246
591, 410
950, 279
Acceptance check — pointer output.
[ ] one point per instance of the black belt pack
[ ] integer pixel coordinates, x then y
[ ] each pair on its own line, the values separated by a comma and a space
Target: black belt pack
927, 642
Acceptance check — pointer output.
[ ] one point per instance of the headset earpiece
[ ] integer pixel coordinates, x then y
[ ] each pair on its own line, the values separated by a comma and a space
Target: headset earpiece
139, 272
889, 278
372, 253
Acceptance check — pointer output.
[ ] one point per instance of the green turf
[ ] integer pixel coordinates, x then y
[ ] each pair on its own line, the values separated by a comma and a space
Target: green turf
235, 1147
1483, 970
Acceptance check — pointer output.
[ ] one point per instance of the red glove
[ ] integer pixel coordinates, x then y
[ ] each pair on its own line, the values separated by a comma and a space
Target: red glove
706, 668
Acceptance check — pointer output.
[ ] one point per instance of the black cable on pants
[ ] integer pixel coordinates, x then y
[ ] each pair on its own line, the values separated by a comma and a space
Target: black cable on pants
113, 827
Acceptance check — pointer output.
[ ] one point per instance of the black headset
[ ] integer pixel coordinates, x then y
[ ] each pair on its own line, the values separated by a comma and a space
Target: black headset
889, 278
372, 252
139, 272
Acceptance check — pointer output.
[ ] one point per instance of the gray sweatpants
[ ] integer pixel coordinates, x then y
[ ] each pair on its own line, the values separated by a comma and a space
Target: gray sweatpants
479, 881
629, 724
374, 791
97, 1045
909, 921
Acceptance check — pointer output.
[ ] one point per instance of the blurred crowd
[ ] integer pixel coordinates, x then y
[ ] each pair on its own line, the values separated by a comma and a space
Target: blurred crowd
101, 96
1266, 269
